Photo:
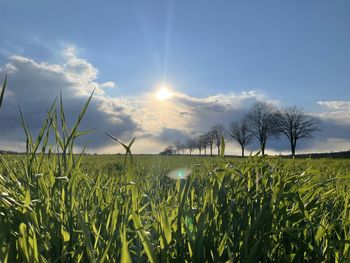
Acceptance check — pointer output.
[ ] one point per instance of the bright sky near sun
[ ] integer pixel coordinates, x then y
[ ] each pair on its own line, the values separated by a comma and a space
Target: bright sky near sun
163, 93
211, 54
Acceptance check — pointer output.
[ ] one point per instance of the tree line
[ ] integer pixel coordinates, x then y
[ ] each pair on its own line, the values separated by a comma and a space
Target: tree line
262, 122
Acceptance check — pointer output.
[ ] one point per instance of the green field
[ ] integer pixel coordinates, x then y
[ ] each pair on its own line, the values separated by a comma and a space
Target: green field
57, 206
107, 209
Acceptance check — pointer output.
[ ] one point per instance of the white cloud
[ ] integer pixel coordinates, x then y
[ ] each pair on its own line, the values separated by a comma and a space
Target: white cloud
186, 113
335, 104
34, 85
156, 124
108, 84
336, 111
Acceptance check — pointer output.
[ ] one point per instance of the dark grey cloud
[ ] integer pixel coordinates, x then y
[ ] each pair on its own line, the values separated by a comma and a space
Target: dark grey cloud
170, 136
219, 109
34, 86
223, 109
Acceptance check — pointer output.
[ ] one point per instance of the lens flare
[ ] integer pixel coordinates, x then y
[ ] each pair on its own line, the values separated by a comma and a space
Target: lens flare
179, 174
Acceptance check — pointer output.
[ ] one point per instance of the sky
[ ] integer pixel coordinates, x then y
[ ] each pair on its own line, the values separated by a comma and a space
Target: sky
216, 58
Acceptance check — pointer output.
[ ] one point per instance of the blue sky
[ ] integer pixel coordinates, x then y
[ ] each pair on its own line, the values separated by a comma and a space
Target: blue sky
293, 52
281, 47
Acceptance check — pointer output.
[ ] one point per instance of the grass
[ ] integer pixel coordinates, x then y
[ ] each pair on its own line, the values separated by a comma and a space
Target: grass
56, 206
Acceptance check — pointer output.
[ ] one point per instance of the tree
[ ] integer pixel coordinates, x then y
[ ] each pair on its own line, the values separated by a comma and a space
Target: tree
295, 124
262, 123
211, 139
199, 145
240, 132
168, 151
217, 132
179, 147
190, 144
204, 140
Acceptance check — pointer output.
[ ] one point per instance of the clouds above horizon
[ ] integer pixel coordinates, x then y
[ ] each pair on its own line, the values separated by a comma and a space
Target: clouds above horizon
34, 85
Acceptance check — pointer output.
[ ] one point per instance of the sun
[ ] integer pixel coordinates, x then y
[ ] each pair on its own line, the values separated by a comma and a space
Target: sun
163, 93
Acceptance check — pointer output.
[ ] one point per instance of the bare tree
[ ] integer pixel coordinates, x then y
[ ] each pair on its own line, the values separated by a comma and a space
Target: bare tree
179, 147
190, 144
239, 131
217, 131
262, 123
168, 151
211, 138
199, 144
204, 140
295, 124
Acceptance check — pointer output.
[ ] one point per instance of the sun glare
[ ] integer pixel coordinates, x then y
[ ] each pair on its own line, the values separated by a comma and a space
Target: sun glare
163, 93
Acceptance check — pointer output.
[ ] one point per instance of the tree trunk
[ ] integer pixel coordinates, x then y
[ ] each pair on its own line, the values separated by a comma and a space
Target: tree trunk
242, 150
263, 148
190, 152
218, 150
211, 149
292, 146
